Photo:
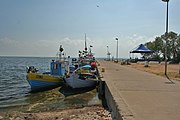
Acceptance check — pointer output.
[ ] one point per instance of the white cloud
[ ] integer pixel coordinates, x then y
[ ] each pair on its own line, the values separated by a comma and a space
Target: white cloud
24, 48
40, 47
71, 46
127, 43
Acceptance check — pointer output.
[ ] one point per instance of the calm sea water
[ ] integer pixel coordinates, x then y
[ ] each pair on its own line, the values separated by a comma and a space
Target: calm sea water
15, 91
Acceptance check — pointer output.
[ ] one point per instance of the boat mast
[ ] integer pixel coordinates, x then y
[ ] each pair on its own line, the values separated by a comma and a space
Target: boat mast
60, 52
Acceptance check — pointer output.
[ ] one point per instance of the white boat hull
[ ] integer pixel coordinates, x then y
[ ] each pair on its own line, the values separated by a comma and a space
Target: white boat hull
74, 82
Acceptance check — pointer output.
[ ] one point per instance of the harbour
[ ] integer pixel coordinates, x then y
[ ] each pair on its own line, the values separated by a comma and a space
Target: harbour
90, 60
15, 92
126, 93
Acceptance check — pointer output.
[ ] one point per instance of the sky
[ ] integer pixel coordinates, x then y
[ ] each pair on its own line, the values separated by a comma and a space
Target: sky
36, 28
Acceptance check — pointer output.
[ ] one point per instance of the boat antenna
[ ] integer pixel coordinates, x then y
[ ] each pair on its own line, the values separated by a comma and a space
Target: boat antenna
90, 48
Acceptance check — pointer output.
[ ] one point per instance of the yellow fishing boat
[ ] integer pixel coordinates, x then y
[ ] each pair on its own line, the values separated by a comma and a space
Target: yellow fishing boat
40, 81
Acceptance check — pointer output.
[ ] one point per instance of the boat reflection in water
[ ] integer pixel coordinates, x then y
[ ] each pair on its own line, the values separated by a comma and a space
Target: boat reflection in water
53, 100
68, 91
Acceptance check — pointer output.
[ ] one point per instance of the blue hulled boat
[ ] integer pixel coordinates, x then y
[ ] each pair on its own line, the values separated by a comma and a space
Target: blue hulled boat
43, 81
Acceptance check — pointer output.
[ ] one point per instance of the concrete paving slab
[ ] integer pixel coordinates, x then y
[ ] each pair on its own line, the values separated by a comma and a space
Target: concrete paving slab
140, 95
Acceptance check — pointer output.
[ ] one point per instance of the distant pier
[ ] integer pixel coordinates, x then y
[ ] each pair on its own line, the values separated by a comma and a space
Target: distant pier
136, 95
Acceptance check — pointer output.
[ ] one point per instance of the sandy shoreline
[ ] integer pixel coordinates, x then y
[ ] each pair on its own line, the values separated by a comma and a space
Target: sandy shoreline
158, 69
80, 113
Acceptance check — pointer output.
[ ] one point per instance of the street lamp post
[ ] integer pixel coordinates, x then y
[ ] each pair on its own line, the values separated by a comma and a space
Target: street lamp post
117, 50
108, 53
166, 37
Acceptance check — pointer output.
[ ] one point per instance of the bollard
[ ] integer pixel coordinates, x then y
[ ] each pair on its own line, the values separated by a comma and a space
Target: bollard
179, 68
103, 70
146, 64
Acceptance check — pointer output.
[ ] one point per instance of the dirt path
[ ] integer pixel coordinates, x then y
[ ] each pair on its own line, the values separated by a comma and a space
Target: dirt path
172, 69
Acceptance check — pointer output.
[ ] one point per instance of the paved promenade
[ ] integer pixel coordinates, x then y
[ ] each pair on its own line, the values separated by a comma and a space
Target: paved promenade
140, 95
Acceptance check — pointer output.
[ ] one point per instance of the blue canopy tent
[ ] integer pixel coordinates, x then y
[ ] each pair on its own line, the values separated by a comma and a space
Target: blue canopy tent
141, 49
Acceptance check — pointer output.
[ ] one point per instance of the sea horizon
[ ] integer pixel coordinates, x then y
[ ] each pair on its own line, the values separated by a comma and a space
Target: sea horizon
98, 58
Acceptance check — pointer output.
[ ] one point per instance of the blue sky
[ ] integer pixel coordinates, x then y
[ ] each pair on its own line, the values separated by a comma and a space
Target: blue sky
38, 27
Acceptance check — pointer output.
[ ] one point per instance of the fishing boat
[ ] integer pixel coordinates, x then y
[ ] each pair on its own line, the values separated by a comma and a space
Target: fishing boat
48, 80
86, 74
73, 64
82, 78
86, 57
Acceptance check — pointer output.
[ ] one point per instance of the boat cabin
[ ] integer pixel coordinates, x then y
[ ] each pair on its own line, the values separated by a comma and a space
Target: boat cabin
57, 68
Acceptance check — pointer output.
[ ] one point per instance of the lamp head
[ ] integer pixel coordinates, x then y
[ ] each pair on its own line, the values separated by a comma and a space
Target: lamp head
165, 0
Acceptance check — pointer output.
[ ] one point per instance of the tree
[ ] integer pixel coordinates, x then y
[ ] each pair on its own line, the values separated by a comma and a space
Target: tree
157, 47
172, 39
177, 48
173, 47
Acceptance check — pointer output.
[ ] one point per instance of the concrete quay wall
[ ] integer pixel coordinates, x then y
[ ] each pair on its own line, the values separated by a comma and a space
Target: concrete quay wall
111, 103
